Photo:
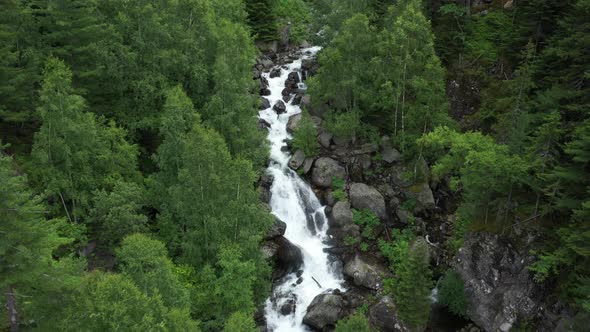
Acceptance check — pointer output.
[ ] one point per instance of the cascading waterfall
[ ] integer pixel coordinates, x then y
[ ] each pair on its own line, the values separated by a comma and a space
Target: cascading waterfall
294, 203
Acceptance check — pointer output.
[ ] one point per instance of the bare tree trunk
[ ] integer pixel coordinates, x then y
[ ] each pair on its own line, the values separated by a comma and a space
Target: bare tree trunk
11, 309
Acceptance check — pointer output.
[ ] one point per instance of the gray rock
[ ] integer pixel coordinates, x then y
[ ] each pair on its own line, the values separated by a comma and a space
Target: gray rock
267, 63
305, 102
277, 229
366, 197
263, 124
280, 107
324, 170
423, 196
383, 315
294, 77
275, 72
388, 152
366, 148
307, 164
324, 311
264, 103
341, 214
297, 99
403, 215
341, 141
325, 139
288, 257
364, 274
297, 160
293, 122
498, 285
317, 121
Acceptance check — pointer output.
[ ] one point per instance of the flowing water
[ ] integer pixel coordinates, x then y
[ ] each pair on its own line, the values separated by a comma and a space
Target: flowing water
294, 203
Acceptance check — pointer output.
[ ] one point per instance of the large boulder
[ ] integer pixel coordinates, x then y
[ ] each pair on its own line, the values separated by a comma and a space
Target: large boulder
498, 284
264, 103
364, 274
276, 230
324, 311
363, 196
275, 72
423, 195
325, 139
324, 170
388, 152
341, 214
297, 160
280, 107
287, 257
383, 315
293, 122
307, 164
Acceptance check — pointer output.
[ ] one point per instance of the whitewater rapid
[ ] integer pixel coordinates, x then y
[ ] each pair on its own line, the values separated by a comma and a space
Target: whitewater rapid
293, 202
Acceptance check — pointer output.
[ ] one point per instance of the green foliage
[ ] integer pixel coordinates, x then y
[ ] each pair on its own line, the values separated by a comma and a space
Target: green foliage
396, 250
195, 163
261, 19
485, 172
109, 302
229, 294
412, 285
27, 244
295, 13
240, 322
368, 221
305, 136
353, 323
338, 192
231, 110
452, 293
118, 213
146, 262
393, 81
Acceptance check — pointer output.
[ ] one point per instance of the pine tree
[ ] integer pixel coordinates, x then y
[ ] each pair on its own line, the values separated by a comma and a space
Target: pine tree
261, 19
27, 241
412, 286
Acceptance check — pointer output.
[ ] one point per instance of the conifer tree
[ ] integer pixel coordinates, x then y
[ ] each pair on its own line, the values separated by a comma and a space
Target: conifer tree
412, 286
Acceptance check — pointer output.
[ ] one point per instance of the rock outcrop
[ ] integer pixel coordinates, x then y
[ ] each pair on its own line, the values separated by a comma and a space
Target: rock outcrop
498, 285
293, 122
297, 160
341, 214
364, 274
363, 196
324, 311
383, 315
280, 107
324, 170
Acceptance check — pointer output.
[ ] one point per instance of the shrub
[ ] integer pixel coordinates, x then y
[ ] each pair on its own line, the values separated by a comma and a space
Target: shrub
452, 293
368, 222
305, 136
354, 323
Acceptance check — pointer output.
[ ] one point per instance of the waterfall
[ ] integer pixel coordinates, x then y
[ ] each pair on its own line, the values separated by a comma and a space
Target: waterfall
294, 203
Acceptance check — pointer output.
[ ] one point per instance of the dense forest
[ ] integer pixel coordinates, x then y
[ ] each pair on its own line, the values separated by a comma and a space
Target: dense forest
131, 153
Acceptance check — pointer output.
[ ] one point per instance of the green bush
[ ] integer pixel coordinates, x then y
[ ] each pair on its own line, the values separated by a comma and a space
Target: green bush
296, 12
305, 136
354, 323
338, 186
452, 293
368, 222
